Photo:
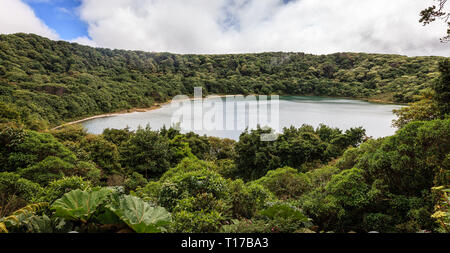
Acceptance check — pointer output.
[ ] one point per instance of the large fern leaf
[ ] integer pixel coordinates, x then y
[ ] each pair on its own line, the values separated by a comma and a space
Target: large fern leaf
23, 217
139, 215
79, 205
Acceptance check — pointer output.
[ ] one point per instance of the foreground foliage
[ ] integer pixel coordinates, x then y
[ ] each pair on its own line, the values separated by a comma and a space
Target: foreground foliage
383, 185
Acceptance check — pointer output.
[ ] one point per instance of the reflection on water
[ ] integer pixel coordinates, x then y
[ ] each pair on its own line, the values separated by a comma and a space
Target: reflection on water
293, 111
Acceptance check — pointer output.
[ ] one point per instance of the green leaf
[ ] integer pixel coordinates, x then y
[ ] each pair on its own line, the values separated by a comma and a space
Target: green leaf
139, 215
79, 205
39, 224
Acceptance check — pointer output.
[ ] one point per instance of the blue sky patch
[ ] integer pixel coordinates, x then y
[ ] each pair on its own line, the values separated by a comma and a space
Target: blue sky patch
61, 16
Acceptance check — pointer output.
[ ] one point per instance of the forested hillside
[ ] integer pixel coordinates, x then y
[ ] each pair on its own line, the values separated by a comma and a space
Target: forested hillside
56, 81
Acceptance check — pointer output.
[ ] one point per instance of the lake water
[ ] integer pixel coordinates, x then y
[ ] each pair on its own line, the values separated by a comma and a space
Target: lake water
290, 110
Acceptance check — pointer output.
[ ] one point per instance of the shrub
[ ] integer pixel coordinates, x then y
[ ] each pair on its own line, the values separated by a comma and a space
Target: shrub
146, 152
16, 192
321, 176
149, 192
49, 169
441, 210
134, 181
227, 168
247, 226
190, 184
377, 222
285, 182
246, 200
278, 218
285, 218
89, 171
104, 153
56, 189
25, 148
202, 213
196, 222
74, 133
188, 164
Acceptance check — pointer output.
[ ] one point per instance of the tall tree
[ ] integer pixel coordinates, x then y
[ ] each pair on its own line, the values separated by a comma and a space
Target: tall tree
434, 12
442, 88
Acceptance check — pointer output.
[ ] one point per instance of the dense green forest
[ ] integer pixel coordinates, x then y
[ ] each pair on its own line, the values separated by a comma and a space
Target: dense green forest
54, 82
308, 180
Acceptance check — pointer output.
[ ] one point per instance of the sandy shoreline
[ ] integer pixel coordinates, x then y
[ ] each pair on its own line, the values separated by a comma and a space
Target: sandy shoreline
154, 107
157, 106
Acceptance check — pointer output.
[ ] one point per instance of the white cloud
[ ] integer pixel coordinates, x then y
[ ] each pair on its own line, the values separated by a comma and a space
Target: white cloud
85, 41
15, 16
241, 26
236, 26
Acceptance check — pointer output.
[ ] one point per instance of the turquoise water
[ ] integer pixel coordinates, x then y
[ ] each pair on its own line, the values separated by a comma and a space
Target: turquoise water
292, 111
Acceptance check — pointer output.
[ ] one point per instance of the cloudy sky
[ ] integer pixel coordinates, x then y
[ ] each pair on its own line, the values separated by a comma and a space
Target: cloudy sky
231, 26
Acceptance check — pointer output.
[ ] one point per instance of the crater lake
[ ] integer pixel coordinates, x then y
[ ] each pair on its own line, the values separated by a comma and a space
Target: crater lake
344, 114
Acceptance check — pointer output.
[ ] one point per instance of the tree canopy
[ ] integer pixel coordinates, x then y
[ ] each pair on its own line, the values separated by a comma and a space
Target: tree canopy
55, 81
